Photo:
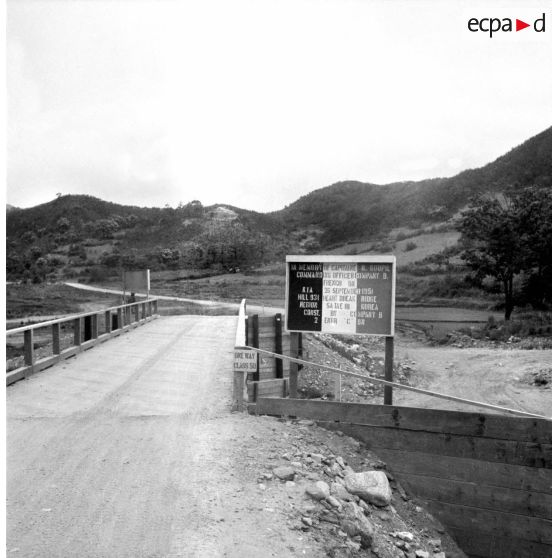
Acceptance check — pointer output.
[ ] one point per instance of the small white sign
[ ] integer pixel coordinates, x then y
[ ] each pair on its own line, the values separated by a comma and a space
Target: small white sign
245, 359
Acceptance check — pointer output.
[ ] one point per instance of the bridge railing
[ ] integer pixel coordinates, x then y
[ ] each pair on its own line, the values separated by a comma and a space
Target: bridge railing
47, 343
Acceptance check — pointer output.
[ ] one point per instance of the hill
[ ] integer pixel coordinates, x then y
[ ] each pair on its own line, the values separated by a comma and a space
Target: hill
352, 210
75, 235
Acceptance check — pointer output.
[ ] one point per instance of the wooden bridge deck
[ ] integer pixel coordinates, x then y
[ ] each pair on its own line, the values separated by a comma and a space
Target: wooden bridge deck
104, 449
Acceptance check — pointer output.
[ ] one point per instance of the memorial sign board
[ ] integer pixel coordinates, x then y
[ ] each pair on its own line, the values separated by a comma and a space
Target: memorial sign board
341, 294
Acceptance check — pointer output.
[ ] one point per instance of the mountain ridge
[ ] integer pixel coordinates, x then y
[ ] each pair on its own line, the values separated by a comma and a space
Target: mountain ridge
78, 231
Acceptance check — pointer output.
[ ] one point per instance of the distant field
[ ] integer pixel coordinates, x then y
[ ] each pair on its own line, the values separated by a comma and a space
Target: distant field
426, 245
350, 249
51, 299
440, 321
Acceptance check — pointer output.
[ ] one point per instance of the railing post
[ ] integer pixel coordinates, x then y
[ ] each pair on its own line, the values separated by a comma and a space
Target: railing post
278, 345
119, 318
77, 332
56, 338
136, 313
156, 306
143, 310
87, 328
108, 324
388, 371
28, 349
239, 374
94, 326
239, 387
256, 341
293, 367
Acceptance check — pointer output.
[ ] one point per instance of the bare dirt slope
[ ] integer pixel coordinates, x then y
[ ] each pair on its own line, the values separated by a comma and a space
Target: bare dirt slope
491, 375
498, 374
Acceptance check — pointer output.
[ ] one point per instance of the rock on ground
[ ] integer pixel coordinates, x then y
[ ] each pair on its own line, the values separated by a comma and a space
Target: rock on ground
371, 486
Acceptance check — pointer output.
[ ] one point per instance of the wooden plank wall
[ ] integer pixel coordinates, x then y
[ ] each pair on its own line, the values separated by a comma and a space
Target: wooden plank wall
486, 477
268, 333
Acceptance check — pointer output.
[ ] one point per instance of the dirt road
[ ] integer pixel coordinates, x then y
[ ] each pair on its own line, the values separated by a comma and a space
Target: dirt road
489, 375
130, 450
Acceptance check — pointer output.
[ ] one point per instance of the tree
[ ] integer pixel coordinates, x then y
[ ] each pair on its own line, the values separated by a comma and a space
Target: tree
505, 235
105, 228
63, 225
535, 220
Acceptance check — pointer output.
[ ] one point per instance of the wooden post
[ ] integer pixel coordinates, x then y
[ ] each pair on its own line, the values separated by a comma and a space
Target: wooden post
388, 371
94, 326
108, 324
136, 313
293, 367
77, 332
256, 341
278, 345
28, 349
87, 328
56, 338
119, 318
239, 385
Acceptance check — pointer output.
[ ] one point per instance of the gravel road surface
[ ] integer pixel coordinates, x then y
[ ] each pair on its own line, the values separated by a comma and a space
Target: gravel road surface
129, 450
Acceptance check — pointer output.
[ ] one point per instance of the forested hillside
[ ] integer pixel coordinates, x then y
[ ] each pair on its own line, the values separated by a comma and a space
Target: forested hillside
353, 210
85, 236
75, 235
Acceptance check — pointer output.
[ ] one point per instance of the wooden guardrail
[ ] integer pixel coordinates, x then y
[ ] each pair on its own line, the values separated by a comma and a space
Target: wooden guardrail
486, 477
83, 331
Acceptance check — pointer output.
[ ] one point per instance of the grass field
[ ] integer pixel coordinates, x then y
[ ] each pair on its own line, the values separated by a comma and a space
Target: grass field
50, 299
426, 245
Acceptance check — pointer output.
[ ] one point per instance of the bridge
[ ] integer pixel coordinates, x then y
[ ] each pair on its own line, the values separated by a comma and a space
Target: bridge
131, 449
125, 451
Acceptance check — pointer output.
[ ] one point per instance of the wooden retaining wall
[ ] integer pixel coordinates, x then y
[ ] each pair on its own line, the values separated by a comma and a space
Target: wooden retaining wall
486, 477
272, 377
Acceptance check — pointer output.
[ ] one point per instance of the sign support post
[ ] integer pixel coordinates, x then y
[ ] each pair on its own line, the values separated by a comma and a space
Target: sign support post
293, 367
388, 371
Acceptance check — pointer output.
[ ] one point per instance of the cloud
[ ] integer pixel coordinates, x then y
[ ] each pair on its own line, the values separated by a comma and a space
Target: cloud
420, 164
255, 103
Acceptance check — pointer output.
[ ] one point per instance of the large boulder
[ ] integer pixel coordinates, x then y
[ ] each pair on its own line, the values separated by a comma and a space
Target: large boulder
371, 486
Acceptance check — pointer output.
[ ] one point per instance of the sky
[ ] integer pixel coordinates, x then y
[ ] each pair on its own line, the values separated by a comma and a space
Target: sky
255, 103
